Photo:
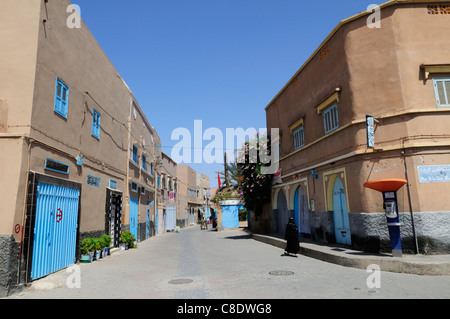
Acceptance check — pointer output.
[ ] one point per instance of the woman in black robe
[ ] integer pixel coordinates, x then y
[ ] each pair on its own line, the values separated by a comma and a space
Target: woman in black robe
291, 236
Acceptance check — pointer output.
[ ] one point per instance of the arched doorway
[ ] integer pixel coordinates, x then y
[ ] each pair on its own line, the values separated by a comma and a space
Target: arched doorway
280, 215
301, 209
340, 214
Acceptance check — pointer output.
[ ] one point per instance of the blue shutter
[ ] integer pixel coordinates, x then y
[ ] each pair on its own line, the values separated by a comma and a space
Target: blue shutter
61, 98
135, 159
96, 124
144, 162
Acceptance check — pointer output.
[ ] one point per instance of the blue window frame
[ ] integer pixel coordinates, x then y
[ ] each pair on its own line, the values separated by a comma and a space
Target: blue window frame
134, 187
96, 124
151, 168
61, 98
159, 181
135, 154
112, 184
56, 166
330, 119
144, 162
299, 138
442, 91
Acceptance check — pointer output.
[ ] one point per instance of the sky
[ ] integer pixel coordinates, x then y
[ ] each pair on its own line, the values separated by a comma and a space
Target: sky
216, 61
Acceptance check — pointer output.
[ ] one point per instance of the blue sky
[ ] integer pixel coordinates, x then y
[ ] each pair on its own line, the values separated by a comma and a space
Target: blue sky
219, 61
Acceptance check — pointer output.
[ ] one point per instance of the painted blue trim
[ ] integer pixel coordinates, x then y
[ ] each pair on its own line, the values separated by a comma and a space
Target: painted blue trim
61, 99
54, 169
445, 91
96, 117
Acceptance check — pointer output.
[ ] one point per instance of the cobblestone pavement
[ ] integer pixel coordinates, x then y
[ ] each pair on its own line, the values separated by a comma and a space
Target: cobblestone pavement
205, 264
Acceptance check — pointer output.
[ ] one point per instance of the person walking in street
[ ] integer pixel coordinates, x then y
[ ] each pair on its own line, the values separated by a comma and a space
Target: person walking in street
291, 236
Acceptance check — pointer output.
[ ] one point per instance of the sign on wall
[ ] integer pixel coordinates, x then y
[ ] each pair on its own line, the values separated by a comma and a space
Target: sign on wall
434, 173
370, 127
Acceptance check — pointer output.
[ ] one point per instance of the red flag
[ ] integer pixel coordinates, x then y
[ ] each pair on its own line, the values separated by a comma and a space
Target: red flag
218, 176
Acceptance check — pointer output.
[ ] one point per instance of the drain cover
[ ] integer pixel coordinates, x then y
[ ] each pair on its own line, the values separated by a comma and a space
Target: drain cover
180, 281
281, 273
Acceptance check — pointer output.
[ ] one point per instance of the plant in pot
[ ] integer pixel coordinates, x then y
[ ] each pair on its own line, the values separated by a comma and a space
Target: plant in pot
107, 240
91, 248
98, 248
126, 240
86, 246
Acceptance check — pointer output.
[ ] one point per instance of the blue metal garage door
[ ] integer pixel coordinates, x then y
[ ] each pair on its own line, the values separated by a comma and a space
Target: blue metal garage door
55, 231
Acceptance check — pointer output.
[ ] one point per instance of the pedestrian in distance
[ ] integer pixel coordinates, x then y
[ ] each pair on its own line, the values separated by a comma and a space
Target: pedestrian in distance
291, 236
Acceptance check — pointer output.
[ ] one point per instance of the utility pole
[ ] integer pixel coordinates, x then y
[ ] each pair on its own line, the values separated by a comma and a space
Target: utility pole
227, 178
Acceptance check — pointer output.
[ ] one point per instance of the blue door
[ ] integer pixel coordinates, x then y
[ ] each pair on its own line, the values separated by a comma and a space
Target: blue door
301, 208
134, 206
230, 217
340, 214
55, 229
280, 217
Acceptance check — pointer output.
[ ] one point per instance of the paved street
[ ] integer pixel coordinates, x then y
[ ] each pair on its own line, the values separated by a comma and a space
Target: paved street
207, 264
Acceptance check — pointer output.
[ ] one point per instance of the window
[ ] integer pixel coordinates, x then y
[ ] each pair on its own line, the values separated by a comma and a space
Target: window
135, 154
134, 187
442, 91
330, 119
61, 98
151, 168
299, 138
55, 166
144, 162
95, 124
159, 181
112, 184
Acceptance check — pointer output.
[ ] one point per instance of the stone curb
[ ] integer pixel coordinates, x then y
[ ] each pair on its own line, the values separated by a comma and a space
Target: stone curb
386, 263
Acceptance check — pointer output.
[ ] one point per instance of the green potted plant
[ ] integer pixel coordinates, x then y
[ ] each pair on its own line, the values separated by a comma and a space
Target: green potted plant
107, 240
126, 240
91, 248
86, 246
98, 248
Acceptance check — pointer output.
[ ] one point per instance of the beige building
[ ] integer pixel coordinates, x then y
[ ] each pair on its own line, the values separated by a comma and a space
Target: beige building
189, 207
399, 74
204, 194
144, 151
68, 128
167, 190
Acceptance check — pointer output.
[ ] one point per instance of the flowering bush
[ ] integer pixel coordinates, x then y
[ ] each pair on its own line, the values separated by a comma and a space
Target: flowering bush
254, 185
126, 237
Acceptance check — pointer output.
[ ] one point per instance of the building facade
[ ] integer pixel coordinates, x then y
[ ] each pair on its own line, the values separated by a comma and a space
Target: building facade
204, 194
68, 127
190, 204
397, 74
167, 211
143, 153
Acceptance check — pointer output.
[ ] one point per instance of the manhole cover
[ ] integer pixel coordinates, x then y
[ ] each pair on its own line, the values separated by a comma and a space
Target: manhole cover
281, 273
180, 281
